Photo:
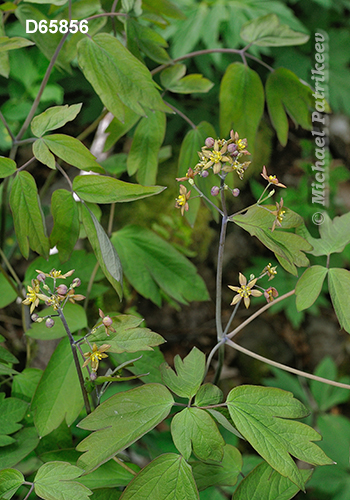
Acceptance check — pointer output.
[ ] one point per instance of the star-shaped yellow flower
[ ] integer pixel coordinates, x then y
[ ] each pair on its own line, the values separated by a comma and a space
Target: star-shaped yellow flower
244, 291
95, 356
34, 296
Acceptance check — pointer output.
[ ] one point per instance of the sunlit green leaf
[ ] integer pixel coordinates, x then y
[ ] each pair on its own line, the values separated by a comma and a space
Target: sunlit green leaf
53, 118
148, 40
143, 155
241, 102
171, 75
55, 481
263, 416
7, 167
10, 481
309, 286
339, 286
16, 42
159, 266
58, 395
191, 84
43, 154
103, 189
264, 483
189, 373
266, 31
168, 476
208, 394
27, 215
66, 228
194, 429
117, 76
122, 420
72, 151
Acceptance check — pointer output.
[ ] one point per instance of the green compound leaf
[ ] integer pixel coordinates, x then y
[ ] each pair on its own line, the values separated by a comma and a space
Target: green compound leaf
103, 249
53, 118
128, 337
266, 31
288, 247
65, 232
171, 75
26, 441
102, 189
260, 414
10, 481
309, 286
27, 216
223, 474
241, 102
334, 235
189, 374
194, 429
167, 477
55, 481
58, 395
159, 266
15, 42
75, 316
191, 84
122, 420
264, 483
72, 152
339, 286
7, 167
12, 411
285, 93
117, 76
43, 154
143, 155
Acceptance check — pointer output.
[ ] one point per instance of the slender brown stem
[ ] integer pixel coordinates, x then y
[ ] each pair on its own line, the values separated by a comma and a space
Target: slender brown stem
180, 113
2, 118
123, 464
76, 360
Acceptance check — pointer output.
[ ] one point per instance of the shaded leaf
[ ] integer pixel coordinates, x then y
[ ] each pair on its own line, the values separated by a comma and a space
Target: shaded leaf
15, 42
26, 441
12, 410
260, 414
8, 294
116, 129
264, 483
159, 266
147, 40
208, 394
43, 154
309, 286
149, 363
7, 166
25, 383
328, 396
168, 476
58, 395
103, 249
224, 474
27, 216
171, 75
55, 481
266, 31
128, 337
339, 286
285, 93
109, 474
193, 429
143, 155
53, 118
117, 76
103, 189
164, 8
189, 374
191, 84
122, 420
66, 227
241, 102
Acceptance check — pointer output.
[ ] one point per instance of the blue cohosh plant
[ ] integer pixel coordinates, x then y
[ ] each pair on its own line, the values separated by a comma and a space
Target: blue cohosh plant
61, 435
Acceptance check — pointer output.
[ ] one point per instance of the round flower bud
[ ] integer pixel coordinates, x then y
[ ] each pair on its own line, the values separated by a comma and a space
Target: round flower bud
215, 190
34, 317
107, 321
76, 282
62, 289
209, 142
231, 148
49, 323
93, 376
41, 277
205, 173
235, 192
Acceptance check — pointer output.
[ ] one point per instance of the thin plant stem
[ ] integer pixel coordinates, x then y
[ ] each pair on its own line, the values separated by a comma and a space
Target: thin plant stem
6, 125
30, 490
91, 282
85, 133
41, 89
26, 164
180, 113
284, 367
107, 14
114, 6
3, 211
233, 314
123, 464
224, 220
110, 220
76, 360
202, 195
8, 279
10, 268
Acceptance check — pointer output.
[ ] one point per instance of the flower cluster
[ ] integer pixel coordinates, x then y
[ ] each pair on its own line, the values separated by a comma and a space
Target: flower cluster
40, 290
